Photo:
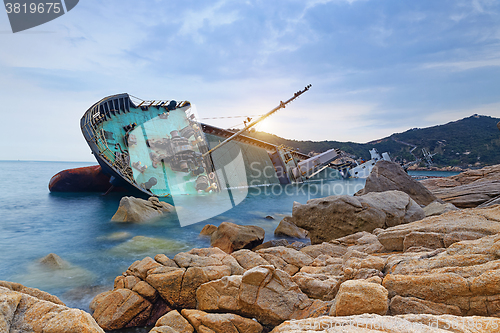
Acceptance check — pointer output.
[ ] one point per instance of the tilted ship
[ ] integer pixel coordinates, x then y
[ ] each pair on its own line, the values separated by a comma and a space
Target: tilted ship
160, 149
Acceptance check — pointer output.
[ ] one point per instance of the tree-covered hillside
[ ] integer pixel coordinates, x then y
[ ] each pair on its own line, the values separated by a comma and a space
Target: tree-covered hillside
465, 142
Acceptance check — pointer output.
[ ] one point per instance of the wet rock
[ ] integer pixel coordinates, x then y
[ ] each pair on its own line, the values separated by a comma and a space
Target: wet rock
24, 313
208, 230
390, 176
287, 228
437, 208
221, 323
406, 305
466, 222
358, 297
333, 217
231, 237
138, 210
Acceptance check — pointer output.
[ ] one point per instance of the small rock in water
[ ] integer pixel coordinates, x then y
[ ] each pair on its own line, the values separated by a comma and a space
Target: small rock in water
269, 217
147, 246
116, 236
53, 261
53, 272
138, 210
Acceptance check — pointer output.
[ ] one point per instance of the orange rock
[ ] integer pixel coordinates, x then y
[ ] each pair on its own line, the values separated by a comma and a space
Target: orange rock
358, 297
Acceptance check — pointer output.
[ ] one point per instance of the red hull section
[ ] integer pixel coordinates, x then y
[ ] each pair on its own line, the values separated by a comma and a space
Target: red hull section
86, 179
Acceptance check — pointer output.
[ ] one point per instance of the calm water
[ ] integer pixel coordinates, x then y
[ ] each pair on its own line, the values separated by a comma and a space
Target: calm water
77, 227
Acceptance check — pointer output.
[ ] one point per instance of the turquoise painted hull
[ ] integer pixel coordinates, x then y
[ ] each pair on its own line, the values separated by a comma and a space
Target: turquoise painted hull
157, 148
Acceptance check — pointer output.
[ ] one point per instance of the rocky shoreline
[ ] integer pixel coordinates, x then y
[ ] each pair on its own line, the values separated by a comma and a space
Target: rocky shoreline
394, 258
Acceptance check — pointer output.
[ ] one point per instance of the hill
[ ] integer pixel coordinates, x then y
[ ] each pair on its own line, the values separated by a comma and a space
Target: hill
474, 140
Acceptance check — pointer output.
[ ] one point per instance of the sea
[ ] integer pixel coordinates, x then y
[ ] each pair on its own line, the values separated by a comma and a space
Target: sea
77, 227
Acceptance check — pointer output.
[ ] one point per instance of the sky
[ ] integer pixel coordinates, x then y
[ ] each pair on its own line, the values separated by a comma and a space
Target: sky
376, 66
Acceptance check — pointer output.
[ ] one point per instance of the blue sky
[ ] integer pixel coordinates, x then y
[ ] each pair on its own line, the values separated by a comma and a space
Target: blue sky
377, 67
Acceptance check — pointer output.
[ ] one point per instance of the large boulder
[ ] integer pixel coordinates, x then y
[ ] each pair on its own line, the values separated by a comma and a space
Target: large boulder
333, 217
139, 210
449, 228
21, 312
389, 176
231, 237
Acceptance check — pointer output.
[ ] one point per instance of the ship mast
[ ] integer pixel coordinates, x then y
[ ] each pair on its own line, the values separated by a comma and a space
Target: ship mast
253, 123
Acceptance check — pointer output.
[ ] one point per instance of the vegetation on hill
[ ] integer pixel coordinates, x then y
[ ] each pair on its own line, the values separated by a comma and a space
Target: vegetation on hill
474, 140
